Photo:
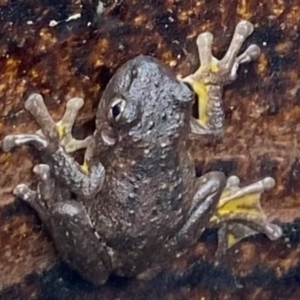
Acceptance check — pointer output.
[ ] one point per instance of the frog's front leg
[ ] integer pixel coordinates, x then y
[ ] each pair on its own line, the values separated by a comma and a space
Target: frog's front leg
208, 81
55, 142
69, 226
239, 213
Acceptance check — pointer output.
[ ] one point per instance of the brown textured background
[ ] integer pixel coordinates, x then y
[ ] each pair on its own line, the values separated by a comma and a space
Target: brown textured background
77, 58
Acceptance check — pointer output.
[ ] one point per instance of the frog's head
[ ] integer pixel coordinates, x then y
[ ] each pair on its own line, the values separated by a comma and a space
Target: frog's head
143, 102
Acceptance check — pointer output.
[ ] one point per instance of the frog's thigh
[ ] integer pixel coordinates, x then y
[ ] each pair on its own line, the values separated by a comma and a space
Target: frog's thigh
210, 187
77, 243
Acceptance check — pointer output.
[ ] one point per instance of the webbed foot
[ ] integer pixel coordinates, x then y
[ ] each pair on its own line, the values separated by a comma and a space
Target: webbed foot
213, 74
239, 213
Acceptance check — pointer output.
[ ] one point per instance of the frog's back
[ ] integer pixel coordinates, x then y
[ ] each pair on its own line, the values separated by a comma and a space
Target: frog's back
150, 176
144, 208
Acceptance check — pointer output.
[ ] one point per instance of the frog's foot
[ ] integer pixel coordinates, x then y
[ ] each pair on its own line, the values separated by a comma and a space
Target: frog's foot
51, 135
230, 234
239, 213
41, 199
208, 81
55, 142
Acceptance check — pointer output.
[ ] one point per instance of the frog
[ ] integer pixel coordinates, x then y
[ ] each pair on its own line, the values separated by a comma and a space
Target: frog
135, 204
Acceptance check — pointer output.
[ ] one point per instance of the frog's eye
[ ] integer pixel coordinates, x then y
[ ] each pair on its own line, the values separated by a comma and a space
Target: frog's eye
116, 109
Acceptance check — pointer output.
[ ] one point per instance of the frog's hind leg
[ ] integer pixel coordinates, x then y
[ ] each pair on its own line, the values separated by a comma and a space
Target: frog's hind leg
208, 81
210, 187
239, 213
69, 227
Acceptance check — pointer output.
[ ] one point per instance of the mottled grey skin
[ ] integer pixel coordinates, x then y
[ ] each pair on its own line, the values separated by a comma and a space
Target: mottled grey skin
136, 203
150, 190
